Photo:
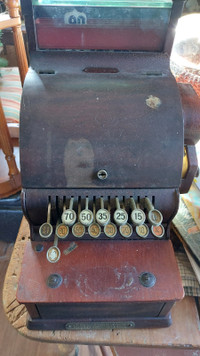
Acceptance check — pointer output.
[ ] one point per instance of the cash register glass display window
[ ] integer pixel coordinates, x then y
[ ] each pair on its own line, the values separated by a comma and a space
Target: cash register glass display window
138, 25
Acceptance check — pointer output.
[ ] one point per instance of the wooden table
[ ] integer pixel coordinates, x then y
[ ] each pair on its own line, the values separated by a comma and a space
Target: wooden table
184, 332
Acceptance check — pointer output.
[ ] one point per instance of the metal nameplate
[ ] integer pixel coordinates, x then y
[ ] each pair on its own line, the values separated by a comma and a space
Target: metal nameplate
99, 325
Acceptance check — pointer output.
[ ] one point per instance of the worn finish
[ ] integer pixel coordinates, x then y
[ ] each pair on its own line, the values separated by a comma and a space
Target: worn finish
115, 128
111, 115
94, 292
183, 332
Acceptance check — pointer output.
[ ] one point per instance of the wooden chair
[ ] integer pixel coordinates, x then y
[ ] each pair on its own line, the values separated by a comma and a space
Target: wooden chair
13, 182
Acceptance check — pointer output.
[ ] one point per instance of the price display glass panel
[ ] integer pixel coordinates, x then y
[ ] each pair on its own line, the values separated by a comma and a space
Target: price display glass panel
101, 25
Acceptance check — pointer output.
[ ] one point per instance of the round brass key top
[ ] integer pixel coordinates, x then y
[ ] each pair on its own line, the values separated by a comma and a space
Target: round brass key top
120, 215
110, 230
69, 215
94, 230
142, 231
158, 231
53, 254
86, 216
102, 215
154, 216
62, 231
46, 229
126, 230
138, 216
78, 230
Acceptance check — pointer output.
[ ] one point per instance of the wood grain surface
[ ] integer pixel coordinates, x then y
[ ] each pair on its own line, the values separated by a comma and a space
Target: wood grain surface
183, 333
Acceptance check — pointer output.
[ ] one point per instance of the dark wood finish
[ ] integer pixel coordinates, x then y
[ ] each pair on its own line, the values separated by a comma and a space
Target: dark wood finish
115, 127
183, 333
139, 323
101, 284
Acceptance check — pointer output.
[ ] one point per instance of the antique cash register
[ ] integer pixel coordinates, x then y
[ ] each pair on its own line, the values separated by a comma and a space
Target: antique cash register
104, 129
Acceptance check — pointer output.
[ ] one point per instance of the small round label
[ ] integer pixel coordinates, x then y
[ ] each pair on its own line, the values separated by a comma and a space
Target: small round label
103, 217
126, 230
120, 216
110, 230
94, 230
53, 254
86, 217
78, 230
138, 217
46, 230
158, 231
68, 217
142, 230
155, 217
62, 231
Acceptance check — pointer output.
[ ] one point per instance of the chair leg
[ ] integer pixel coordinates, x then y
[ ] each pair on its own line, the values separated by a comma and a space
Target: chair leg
13, 184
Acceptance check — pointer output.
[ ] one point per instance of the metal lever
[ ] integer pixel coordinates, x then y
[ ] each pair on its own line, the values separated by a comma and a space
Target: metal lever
86, 216
46, 229
53, 253
120, 215
94, 229
102, 215
138, 216
154, 216
69, 215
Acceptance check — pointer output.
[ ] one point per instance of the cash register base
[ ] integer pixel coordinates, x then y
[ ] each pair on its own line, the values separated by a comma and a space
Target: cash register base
98, 285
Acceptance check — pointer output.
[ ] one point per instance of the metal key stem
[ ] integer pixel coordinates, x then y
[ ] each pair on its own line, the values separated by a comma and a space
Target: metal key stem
120, 215
78, 229
102, 215
154, 216
86, 216
138, 216
110, 230
94, 229
46, 229
53, 253
69, 215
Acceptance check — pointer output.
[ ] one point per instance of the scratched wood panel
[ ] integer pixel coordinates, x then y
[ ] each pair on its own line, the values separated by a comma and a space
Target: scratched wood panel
184, 331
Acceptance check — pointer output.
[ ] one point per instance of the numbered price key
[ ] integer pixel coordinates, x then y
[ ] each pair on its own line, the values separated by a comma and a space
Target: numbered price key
155, 217
53, 254
110, 230
138, 217
158, 231
86, 217
94, 230
78, 230
46, 230
126, 230
103, 217
142, 231
62, 231
68, 217
120, 217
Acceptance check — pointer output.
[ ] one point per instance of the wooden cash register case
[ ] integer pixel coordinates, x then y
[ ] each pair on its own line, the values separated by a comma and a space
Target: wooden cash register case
103, 125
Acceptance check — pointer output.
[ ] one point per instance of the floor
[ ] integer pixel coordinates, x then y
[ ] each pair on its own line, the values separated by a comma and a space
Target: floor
13, 344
